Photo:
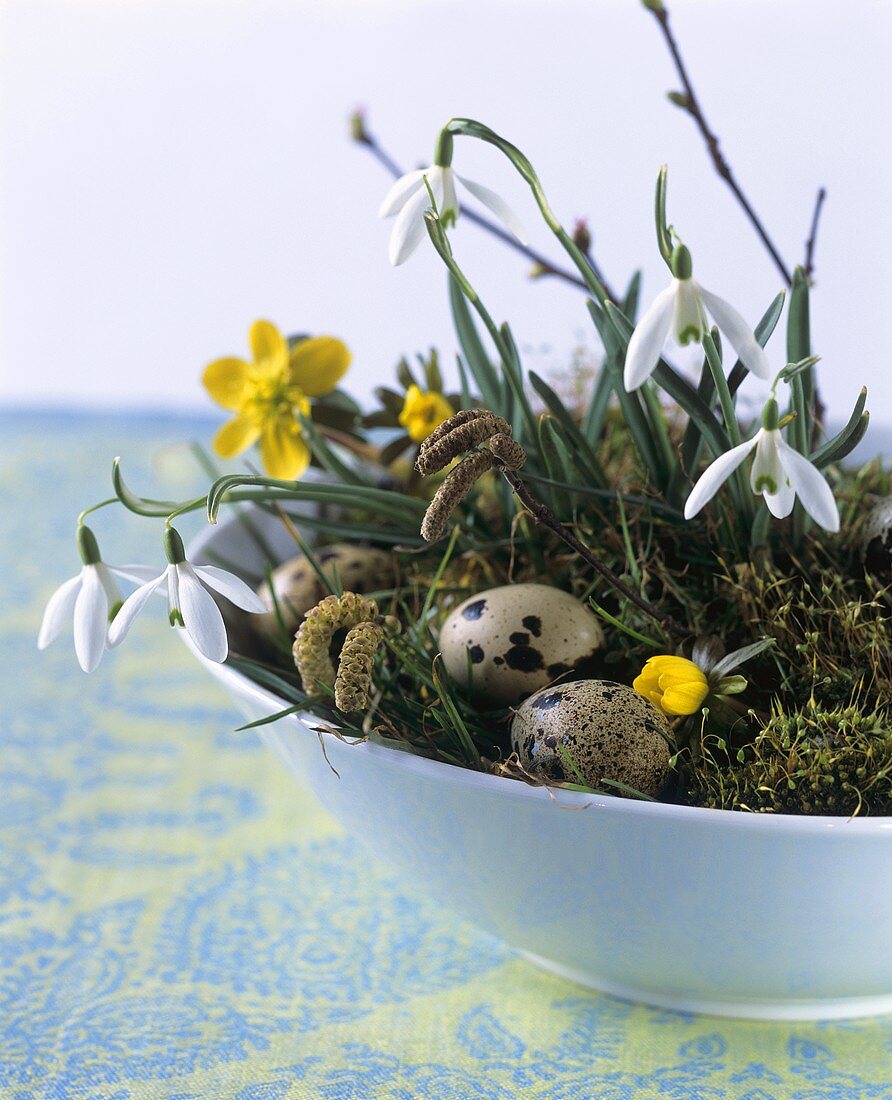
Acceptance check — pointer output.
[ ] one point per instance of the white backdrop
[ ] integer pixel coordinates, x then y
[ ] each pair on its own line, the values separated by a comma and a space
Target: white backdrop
171, 171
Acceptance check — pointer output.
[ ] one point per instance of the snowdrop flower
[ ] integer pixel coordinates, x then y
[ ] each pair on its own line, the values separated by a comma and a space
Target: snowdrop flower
409, 199
190, 604
90, 599
779, 473
680, 310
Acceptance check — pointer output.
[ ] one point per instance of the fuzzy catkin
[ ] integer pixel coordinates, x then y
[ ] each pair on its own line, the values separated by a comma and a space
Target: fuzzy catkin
463, 431
312, 643
353, 683
455, 487
508, 451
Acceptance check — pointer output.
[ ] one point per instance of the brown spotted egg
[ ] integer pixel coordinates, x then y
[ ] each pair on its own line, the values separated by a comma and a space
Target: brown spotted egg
297, 586
606, 729
876, 541
518, 638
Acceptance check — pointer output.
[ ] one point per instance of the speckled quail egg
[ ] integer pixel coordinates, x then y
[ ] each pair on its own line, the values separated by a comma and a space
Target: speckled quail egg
297, 587
518, 638
876, 540
608, 730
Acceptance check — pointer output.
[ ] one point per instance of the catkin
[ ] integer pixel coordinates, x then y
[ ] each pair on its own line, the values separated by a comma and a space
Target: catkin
508, 451
453, 490
461, 432
353, 683
312, 644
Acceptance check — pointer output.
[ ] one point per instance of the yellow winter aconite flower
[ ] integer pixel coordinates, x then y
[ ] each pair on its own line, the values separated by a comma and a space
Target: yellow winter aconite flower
674, 684
267, 393
422, 412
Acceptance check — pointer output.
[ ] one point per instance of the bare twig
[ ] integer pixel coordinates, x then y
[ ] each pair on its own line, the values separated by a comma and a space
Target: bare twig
689, 102
544, 516
543, 266
809, 264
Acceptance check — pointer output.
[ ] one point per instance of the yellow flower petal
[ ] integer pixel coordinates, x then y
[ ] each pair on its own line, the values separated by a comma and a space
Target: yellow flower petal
684, 699
664, 662
235, 436
226, 381
282, 450
267, 343
318, 364
422, 412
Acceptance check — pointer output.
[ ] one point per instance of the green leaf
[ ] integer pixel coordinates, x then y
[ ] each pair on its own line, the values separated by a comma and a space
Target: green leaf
328, 457
845, 441
404, 374
630, 403
762, 332
664, 241
432, 375
592, 426
395, 448
142, 506
585, 456
629, 303
475, 355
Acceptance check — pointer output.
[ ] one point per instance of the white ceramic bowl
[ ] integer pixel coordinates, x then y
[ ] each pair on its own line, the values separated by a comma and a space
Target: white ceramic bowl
761, 916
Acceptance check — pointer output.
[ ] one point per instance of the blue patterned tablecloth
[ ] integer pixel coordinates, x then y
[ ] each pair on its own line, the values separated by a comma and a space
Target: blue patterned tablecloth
178, 920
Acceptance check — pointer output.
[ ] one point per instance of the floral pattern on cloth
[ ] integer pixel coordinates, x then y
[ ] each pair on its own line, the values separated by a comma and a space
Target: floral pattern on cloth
179, 921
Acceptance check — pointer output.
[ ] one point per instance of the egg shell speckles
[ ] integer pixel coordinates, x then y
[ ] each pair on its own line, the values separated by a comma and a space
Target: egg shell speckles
608, 730
518, 638
297, 587
876, 540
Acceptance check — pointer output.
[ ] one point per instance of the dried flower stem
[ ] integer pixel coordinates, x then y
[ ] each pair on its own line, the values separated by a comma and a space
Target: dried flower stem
691, 104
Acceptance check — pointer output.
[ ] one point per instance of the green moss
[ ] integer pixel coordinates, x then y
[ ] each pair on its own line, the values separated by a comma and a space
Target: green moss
810, 761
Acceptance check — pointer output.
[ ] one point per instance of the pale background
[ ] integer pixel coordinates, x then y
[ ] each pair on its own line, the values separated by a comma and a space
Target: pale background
171, 171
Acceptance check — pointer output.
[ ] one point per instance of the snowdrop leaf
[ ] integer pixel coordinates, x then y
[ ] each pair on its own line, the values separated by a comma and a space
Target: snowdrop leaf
475, 355
846, 440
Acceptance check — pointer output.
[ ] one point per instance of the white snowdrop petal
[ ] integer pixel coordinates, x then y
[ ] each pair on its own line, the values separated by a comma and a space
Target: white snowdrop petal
201, 616
90, 619
767, 474
59, 609
780, 504
233, 588
498, 206
810, 486
740, 335
409, 228
398, 195
648, 339
715, 475
688, 318
131, 607
450, 199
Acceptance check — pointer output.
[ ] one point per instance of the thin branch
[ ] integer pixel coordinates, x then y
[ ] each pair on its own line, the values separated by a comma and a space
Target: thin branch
544, 516
689, 102
544, 267
809, 264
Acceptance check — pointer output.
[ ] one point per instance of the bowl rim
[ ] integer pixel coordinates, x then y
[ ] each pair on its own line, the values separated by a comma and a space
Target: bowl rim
504, 787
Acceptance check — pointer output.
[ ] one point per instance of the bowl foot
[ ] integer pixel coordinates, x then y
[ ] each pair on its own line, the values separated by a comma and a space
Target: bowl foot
841, 1008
